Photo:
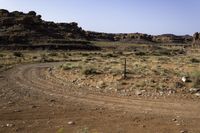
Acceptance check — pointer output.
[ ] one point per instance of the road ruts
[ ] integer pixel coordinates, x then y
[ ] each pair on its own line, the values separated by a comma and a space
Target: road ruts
36, 77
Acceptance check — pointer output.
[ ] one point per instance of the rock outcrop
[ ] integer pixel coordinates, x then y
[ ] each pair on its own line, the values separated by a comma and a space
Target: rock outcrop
170, 38
196, 40
22, 28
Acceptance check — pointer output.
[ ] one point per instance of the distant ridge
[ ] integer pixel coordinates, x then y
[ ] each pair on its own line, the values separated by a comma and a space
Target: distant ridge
28, 28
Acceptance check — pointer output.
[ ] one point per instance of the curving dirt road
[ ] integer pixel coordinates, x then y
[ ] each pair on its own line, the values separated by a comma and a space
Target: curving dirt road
33, 99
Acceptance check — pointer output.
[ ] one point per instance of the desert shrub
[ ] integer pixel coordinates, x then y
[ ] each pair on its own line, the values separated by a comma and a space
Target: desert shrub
84, 130
53, 54
85, 54
195, 79
118, 52
162, 53
91, 71
61, 130
110, 55
68, 66
140, 53
34, 57
1, 55
179, 84
44, 58
18, 54
194, 60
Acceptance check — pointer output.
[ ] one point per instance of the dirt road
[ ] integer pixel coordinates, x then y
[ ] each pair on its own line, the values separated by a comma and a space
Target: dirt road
33, 99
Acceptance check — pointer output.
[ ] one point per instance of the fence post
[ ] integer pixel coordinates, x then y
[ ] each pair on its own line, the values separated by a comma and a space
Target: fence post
125, 76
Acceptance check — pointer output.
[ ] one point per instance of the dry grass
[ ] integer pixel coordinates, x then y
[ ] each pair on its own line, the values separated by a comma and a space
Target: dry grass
149, 72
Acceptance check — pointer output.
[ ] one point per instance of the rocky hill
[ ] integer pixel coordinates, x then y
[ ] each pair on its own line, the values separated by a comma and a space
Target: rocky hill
28, 28
18, 27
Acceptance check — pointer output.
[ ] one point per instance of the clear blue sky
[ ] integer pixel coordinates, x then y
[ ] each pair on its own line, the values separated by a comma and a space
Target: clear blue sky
118, 16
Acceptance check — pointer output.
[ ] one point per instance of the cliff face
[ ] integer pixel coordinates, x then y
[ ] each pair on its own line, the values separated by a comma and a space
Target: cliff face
28, 28
18, 27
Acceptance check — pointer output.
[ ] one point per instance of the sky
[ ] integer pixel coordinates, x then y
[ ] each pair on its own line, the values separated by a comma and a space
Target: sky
155, 17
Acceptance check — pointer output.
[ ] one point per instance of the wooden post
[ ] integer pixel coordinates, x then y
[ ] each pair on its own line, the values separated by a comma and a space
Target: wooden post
125, 69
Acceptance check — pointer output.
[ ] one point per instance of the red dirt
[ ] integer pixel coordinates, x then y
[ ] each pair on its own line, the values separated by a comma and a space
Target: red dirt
33, 102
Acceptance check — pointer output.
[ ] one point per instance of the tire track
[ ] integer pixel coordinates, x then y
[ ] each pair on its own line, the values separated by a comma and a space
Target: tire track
33, 77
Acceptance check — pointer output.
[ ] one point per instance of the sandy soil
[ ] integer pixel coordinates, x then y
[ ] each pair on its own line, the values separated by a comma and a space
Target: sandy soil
36, 102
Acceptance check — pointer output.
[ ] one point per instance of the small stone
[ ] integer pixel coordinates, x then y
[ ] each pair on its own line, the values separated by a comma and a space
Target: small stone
97, 87
174, 119
10, 102
71, 123
33, 106
184, 79
194, 90
117, 90
183, 131
52, 100
18, 110
10, 125
197, 94
143, 126
161, 93
139, 92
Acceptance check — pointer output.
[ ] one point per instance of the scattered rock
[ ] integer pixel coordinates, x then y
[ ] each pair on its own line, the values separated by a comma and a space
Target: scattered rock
161, 93
139, 92
10, 102
118, 89
52, 100
33, 106
194, 90
143, 126
183, 131
171, 92
49, 69
174, 119
17, 110
184, 79
71, 123
179, 84
197, 94
10, 125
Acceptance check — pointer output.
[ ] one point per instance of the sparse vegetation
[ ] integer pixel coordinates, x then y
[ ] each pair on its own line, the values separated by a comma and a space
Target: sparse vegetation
194, 60
53, 54
61, 130
68, 66
17, 54
91, 71
196, 79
